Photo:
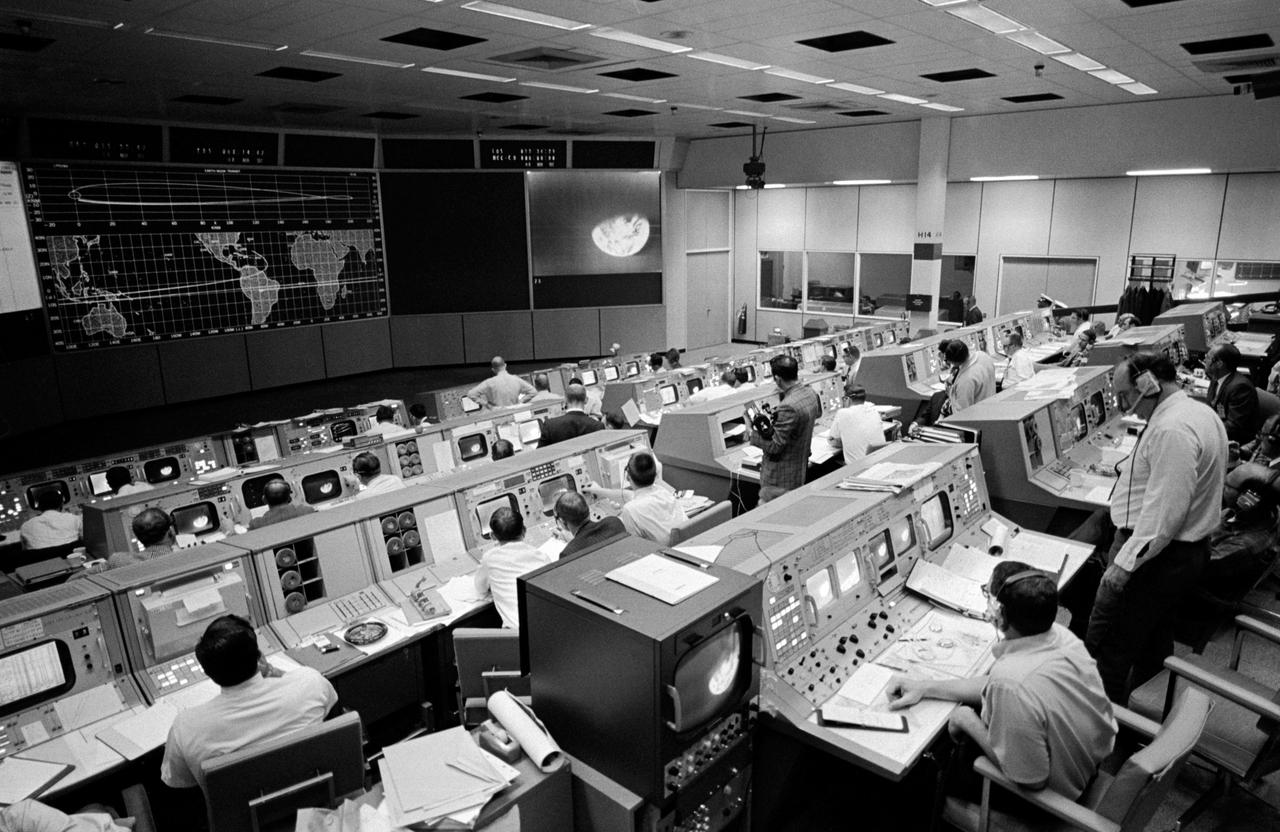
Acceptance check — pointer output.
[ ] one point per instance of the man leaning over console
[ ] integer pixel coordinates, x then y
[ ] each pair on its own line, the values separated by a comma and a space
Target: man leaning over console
1045, 718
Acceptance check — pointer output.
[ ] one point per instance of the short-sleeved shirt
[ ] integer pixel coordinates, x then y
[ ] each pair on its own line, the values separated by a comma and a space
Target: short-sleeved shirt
240, 716
503, 390
278, 514
856, 430
1047, 714
381, 484
134, 488
652, 513
1021, 368
51, 528
499, 569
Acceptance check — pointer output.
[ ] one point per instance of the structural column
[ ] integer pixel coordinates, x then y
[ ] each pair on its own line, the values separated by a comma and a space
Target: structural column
931, 210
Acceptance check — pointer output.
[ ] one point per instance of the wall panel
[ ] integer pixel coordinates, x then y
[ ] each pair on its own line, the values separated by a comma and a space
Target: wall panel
964, 210
203, 368
285, 356
780, 222
426, 340
887, 218
1015, 220
746, 262
708, 219
32, 397
357, 347
110, 380
1092, 217
508, 334
831, 219
1177, 215
633, 328
566, 333
1251, 218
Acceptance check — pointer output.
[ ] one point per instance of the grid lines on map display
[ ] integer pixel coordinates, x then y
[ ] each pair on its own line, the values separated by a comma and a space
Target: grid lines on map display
128, 255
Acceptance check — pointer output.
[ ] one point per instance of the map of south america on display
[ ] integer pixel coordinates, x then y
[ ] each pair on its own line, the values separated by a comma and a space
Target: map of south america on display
133, 255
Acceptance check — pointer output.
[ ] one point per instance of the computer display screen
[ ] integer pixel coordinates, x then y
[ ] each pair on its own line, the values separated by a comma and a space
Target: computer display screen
530, 432
486, 509
668, 394
877, 338
935, 516
903, 534
197, 519
321, 486
818, 588
1098, 408
469, 405
589, 378
848, 574
550, 491
59, 486
750, 370
632, 368
175, 615
610, 373
694, 385
890, 337
33, 674
98, 484
342, 429
713, 675
161, 470
252, 488
880, 550
472, 447
1080, 423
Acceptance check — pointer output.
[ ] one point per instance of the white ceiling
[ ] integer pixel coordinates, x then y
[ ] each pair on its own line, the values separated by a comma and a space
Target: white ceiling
126, 73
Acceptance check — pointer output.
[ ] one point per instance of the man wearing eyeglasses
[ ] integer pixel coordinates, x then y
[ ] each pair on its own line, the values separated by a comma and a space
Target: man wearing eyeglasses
1045, 718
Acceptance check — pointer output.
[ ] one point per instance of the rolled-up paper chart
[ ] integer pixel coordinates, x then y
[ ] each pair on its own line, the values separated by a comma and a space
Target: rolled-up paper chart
998, 540
519, 721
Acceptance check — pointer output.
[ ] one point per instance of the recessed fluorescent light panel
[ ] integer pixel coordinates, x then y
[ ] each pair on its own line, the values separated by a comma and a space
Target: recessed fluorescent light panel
772, 186
862, 182
798, 76
475, 76
726, 60
1018, 177
747, 113
640, 40
936, 3
1139, 89
557, 87
905, 99
330, 56
524, 16
1111, 76
626, 97
944, 108
1038, 43
992, 21
695, 106
1169, 172
790, 120
62, 18
1077, 61
243, 44
858, 88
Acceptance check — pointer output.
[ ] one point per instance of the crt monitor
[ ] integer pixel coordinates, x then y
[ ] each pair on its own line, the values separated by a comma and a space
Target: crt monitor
252, 488
550, 491
632, 368
343, 428
890, 337
164, 469
1098, 407
472, 447
877, 338
713, 676
750, 370
98, 484
1080, 423
694, 385
935, 518
486, 509
530, 432
321, 486
610, 372
196, 519
469, 405
173, 615
60, 486
668, 394
33, 674
589, 378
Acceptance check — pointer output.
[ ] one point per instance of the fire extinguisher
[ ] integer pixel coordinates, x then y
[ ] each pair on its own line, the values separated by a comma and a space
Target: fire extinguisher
742, 320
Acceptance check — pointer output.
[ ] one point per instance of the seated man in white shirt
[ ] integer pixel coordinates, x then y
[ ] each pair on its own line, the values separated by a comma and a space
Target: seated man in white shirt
857, 429
384, 423
504, 563
256, 703
729, 382
52, 526
369, 476
1021, 367
651, 510
120, 480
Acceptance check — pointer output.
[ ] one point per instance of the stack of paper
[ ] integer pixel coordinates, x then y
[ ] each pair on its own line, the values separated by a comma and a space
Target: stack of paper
441, 776
888, 476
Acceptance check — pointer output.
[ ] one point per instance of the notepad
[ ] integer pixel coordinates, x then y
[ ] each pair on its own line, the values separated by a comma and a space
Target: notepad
662, 578
22, 779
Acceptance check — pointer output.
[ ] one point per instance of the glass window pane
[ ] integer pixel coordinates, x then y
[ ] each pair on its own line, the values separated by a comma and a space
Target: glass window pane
884, 283
831, 282
781, 279
1192, 279
1245, 277
956, 284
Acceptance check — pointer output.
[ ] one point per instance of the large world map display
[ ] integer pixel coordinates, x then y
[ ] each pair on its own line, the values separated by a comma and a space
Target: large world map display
128, 255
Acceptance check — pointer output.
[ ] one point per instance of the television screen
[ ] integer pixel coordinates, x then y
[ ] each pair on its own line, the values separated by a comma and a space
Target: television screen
890, 337
935, 516
668, 394
766, 370
550, 491
98, 484
880, 550
1080, 422
712, 676
34, 674
59, 486
589, 378
847, 573
818, 587
486, 509
632, 368
610, 373
321, 486
694, 385
903, 534
164, 469
469, 405
530, 432
472, 447
877, 338
197, 519
1098, 408
342, 429
251, 490
750, 370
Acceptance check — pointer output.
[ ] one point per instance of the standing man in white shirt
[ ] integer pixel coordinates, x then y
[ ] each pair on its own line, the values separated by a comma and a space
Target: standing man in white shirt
368, 471
857, 429
503, 390
52, 526
1165, 505
504, 563
256, 702
1021, 367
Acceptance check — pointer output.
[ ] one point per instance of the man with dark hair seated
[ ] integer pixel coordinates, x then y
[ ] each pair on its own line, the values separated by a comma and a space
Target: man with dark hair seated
256, 702
504, 563
1045, 717
153, 528
121, 482
502, 449
1232, 395
371, 480
651, 510
51, 526
573, 519
278, 495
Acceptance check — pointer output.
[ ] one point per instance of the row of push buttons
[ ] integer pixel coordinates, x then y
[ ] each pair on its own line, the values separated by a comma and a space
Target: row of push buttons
183, 672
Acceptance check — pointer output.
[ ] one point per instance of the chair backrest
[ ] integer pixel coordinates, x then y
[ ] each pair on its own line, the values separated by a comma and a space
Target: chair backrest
1268, 406
721, 512
249, 789
1143, 782
488, 660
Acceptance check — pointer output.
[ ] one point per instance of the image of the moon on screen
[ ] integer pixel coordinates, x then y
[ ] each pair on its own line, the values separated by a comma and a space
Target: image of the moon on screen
621, 236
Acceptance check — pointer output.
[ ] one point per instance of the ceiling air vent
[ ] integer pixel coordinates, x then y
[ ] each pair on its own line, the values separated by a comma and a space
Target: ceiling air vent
1216, 66
550, 60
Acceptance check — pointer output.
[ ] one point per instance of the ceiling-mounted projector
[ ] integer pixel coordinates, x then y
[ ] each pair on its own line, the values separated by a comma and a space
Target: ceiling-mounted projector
754, 167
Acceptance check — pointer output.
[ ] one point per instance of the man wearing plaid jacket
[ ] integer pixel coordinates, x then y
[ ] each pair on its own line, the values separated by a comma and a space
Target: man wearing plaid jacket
786, 452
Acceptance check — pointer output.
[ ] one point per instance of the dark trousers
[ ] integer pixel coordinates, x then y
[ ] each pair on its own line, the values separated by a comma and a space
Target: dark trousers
1131, 631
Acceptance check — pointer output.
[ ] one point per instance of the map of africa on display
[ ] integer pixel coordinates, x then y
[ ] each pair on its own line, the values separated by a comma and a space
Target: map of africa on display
129, 255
